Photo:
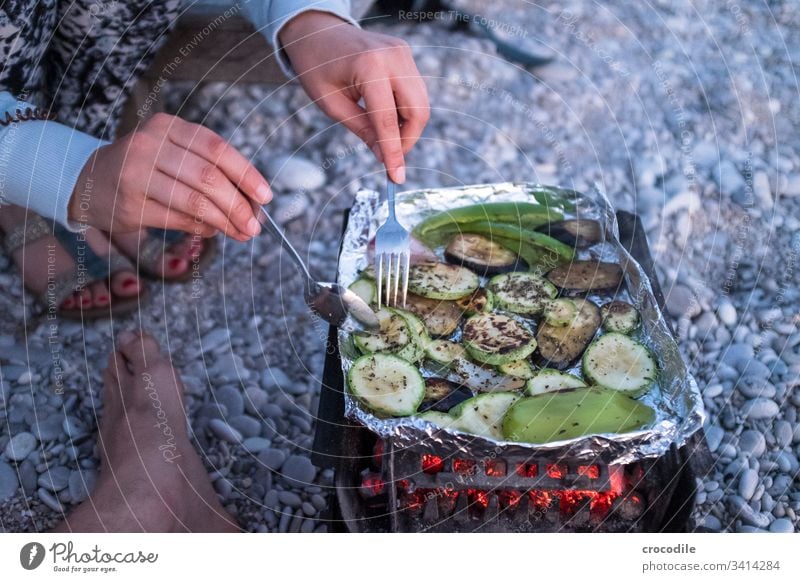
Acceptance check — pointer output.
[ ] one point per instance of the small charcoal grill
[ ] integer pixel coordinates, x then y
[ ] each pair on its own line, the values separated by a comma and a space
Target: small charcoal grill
384, 488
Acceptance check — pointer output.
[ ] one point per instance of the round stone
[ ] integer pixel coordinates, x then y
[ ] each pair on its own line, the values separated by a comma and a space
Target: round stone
294, 173
214, 339
49, 428
737, 356
272, 458
81, 484
784, 433
782, 525
222, 430
714, 436
760, 409
290, 498
20, 446
8, 481
231, 398
298, 471
55, 479
256, 445
754, 387
247, 425
681, 302
727, 313
748, 483
254, 400
752, 442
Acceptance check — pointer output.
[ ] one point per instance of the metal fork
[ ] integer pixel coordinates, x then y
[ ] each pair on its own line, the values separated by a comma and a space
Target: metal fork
392, 254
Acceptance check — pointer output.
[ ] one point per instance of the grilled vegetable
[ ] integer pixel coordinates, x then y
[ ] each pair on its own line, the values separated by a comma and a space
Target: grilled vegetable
395, 336
440, 281
559, 346
523, 293
482, 378
619, 316
442, 395
494, 339
617, 362
584, 276
517, 368
524, 240
444, 352
549, 380
386, 384
569, 414
560, 312
483, 414
480, 301
365, 289
440, 317
578, 233
440, 419
553, 197
482, 255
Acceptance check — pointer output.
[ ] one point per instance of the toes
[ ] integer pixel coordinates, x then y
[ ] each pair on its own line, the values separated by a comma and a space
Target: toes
125, 284
174, 265
84, 298
100, 295
139, 348
69, 302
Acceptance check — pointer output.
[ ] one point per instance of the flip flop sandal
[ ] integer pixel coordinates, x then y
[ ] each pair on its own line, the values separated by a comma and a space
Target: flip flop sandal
89, 268
152, 248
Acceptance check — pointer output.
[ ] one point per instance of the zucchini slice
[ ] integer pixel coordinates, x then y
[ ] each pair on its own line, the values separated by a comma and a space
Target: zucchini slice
365, 289
444, 352
442, 395
483, 379
386, 384
395, 336
549, 380
573, 413
483, 414
441, 318
560, 312
441, 281
560, 346
620, 317
585, 276
578, 233
440, 419
617, 362
495, 339
517, 368
480, 301
482, 255
523, 293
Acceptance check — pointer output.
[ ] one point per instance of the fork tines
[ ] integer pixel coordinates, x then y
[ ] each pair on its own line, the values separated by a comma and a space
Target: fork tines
390, 270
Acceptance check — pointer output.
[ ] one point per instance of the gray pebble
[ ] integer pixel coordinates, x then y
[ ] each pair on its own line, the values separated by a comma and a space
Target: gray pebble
222, 430
286, 516
754, 387
214, 339
223, 487
254, 400
752, 442
727, 313
247, 425
81, 484
20, 446
49, 500
756, 369
308, 526
712, 523
715, 496
681, 302
309, 509
782, 525
54, 479
760, 409
73, 427
297, 521
274, 379
289, 498
714, 436
787, 462
712, 391
256, 445
273, 411
272, 458
784, 433
49, 428
319, 502
294, 173
28, 477
748, 483
231, 398
8, 481
738, 355
298, 471
271, 500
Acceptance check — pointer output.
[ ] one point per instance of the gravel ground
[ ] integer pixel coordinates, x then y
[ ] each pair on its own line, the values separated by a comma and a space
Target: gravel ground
686, 113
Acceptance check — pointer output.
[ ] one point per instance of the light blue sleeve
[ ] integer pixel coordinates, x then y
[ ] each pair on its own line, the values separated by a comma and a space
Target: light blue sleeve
40, 161
269, 17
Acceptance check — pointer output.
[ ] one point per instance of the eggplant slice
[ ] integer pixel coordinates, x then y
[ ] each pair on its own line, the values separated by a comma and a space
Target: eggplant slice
441, 395
482, 255
577, 233
560, 346
440, 317
480, 301
584, 276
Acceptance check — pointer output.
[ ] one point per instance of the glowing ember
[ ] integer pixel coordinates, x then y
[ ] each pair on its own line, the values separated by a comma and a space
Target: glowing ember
540, 498
464, 466
526, 470
495, 468
372, 485
509, 498
590, 471
432, 464
478, 497
556, 471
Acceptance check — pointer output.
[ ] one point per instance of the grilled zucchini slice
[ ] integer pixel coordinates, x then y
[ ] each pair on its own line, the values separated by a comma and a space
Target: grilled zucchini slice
440, 419
549, 380
441, 318
483, 415
441, 281
560, 312
517, 368
617, 362
482, 255
442, 395
523, 293
495, 339
444, 352
479, 302
560, 346
620, 317
482, 378
585, 276
365, 289
387, 384
395, 336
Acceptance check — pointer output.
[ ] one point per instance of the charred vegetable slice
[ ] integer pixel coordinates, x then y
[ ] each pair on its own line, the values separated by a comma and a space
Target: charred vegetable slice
444, 352
620, 316
579, 233
480, 301
495, 339
483, 415
440, 317
482, 378
365, 289
584, 276
559, 346
517, 368
395, 336
523, 293
481, 255
440, 419
549, 380
560, 312
440, 281
573, 413
617, 362
386, 384
442, 395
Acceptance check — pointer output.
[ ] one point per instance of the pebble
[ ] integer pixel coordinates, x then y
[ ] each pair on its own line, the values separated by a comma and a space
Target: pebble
294, 173
712, 523
55, 479
753, 387
254, 400
681, 302
28, 477
740, 508
714, 436
782, 525
730, 181
214, 339
50, 428
20, 446
298, 471
752, 442
289, 498
49, 500
8, 481
727, 313
748, 483
231, 398
319, 502
738, 355
81, 484
274, 378
272, 458
271, 499
286, 515
760, 408
247, 425
224, 431
256, 444
784, 433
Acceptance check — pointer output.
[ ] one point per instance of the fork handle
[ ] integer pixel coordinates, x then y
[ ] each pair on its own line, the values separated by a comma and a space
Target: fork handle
278, 234
391, 189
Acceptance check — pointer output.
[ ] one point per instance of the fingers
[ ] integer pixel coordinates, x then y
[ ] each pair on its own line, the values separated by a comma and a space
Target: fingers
411, 97
161, 216
140, 349
204, 186
343, 109
382, 112
215, 149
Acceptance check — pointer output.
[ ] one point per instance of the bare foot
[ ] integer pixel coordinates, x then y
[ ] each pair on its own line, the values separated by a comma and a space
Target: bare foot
177, 258
34, 260
151, 478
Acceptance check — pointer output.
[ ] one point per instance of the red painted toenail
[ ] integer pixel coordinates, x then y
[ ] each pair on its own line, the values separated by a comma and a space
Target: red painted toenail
102, 300
68, 303
175, 263
128, 283
86, 301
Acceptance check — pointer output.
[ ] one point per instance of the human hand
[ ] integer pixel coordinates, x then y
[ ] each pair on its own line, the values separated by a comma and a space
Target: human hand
339, 64
173, 174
